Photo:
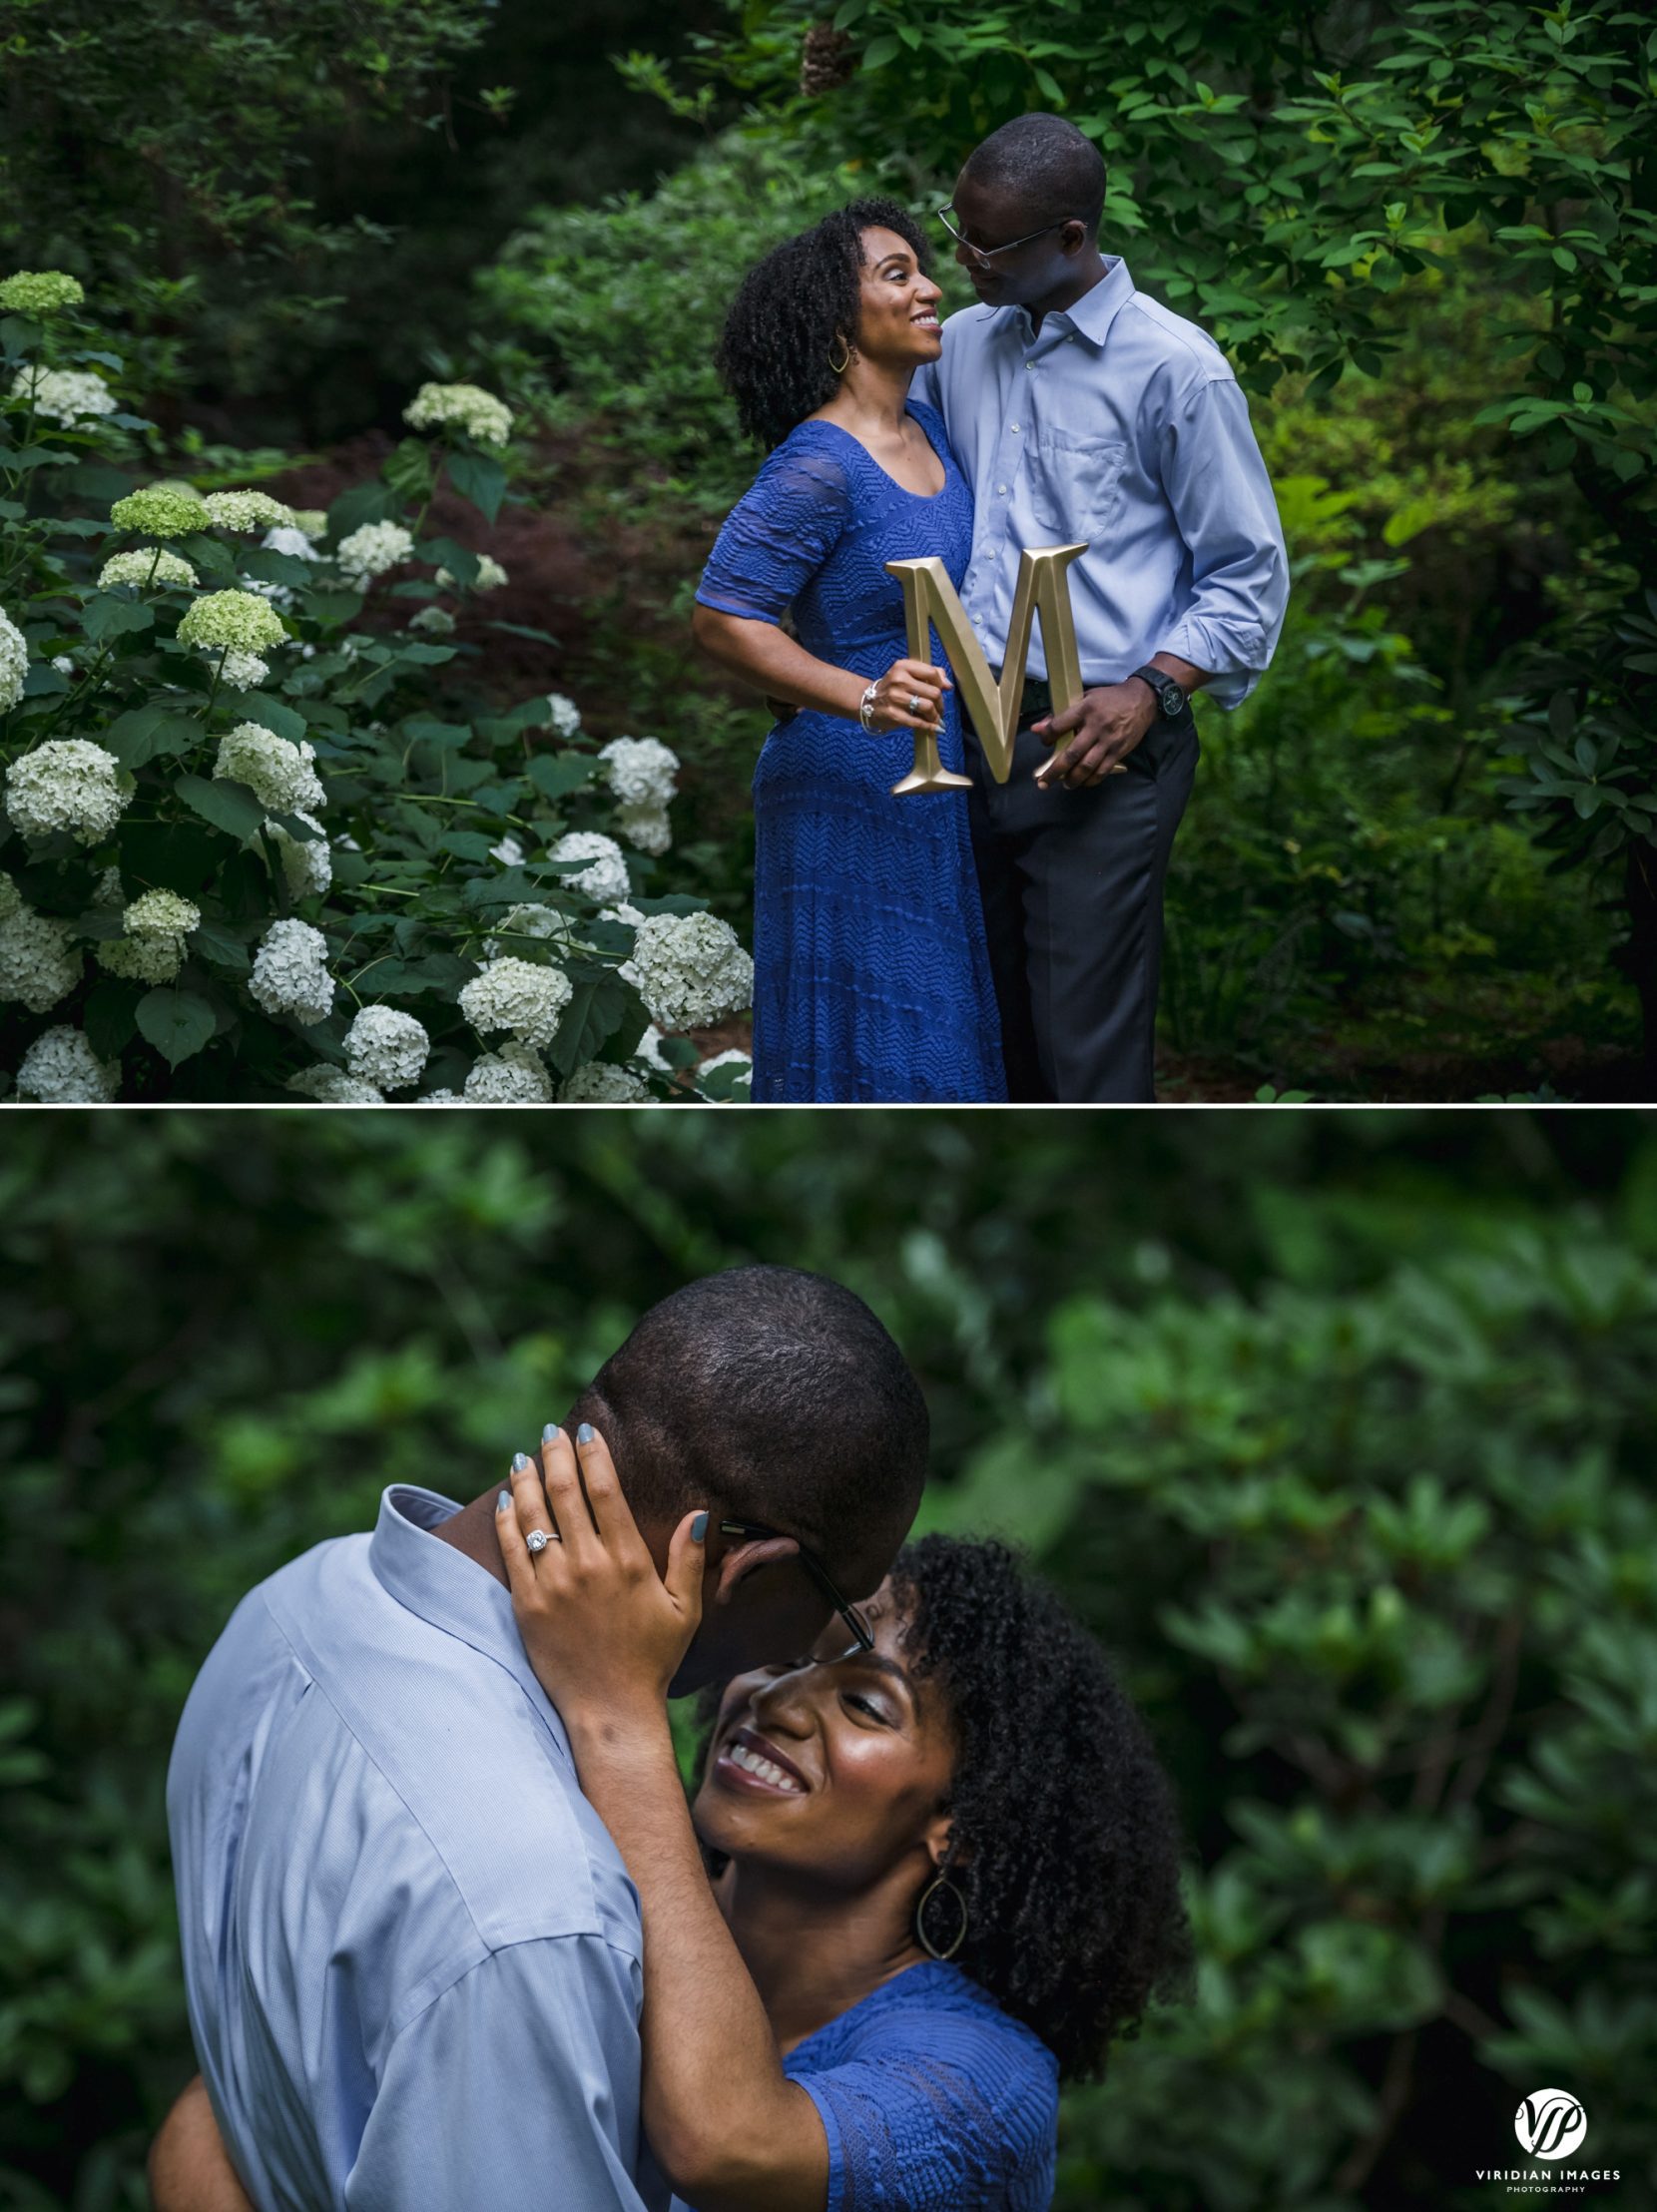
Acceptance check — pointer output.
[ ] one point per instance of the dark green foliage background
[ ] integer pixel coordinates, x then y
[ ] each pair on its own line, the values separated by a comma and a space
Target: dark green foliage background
1339, 1430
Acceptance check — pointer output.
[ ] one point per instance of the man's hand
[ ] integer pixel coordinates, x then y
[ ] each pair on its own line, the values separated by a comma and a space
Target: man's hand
1103, 728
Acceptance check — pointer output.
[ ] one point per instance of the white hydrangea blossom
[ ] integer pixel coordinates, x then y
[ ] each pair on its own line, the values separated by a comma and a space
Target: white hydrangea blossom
599, 1085
62, 663
371, 550
153, 948
39, 962
645, 828
64, 394
606, 878
491, 575
386, 1048
466, 407
332, 1086
530, 921
290, 972
649, 1050
294, 539
640, 771
278, 772
244, 671
436, 619
14, 663
688, 970
136, 567
306, 862
509, 852
440, 1098
513, 1076
732, 1059
313, 521
61, 1069
66, 783
518, 996
246, 511
563, 715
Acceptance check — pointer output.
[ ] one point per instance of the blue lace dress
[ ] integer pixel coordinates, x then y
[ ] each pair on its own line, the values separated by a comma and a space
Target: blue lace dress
871, 971
933, 2100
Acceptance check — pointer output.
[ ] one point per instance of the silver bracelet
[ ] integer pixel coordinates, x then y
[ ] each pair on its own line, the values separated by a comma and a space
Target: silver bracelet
868, 706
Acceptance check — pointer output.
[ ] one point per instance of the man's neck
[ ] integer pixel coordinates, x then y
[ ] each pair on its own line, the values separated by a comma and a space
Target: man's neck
1057, 302
472, 1531
814, 1951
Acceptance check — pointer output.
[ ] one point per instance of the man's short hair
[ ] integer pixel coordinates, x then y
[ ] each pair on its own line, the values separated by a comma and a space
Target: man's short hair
1051, 168
771, 1395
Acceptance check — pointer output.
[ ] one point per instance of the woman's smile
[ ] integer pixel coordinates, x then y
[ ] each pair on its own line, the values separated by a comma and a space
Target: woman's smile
749, 1762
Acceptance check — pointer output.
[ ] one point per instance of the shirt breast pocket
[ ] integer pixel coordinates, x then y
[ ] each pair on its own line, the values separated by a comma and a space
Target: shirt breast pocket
1076, 482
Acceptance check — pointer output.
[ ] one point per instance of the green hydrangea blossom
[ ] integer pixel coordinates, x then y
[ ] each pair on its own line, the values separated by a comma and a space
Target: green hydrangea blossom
40, 291
162, 512
242, 621
246, 510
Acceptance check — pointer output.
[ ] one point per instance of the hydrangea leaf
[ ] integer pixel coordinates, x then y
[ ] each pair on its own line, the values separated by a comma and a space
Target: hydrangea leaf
480, 480
110, 1016
228, 805
178, 1023
137, 735
271, 713
594, 1014
107, 617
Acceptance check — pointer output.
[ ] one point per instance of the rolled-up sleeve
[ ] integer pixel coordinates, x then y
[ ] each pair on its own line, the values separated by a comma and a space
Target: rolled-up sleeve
1221, 497
516, 2088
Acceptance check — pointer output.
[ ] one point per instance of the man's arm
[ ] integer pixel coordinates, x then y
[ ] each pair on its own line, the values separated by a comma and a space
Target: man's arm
517, 2088
1221, 497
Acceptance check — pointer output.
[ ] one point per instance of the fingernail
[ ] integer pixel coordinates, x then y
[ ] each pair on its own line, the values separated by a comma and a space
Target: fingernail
584, 1434
503, 1501
698, 1529
549, 1434
520, 1461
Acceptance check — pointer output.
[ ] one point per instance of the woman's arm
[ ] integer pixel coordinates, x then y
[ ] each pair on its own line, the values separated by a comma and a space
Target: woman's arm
189, 2168
770, 661
605, 1635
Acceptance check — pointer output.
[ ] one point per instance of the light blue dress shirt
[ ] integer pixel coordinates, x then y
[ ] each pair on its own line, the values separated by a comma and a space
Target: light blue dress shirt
1120, 423
411, 1949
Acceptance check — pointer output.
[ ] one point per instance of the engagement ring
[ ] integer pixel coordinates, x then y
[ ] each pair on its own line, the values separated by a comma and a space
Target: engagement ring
537, 1539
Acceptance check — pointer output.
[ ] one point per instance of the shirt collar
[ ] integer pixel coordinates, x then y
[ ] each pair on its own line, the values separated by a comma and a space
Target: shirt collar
1092, 314
450, 1591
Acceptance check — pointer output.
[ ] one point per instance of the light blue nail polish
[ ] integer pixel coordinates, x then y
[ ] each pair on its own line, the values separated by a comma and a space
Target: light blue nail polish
520, 1461
503, 1501
549, 1434
584, 1434
698, 1529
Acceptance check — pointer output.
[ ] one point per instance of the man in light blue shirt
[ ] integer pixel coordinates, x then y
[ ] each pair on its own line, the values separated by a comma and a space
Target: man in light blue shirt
1080, 410
411, 1952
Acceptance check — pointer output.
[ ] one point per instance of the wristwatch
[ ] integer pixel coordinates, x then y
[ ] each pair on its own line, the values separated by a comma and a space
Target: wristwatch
1170, 697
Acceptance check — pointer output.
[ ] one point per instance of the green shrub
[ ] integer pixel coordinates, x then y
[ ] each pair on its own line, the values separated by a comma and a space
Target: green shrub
177, 716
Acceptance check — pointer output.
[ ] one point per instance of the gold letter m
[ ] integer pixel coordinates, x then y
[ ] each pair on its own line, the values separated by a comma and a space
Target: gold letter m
929, 602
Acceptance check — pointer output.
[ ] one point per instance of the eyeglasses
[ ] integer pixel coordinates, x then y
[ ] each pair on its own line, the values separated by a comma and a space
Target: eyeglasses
987, 253
819, 1574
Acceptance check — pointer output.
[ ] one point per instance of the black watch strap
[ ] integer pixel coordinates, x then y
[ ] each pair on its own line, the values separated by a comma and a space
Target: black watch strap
1170, 694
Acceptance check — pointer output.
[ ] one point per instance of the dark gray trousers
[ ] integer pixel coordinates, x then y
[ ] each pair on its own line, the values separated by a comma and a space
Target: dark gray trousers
1072, 894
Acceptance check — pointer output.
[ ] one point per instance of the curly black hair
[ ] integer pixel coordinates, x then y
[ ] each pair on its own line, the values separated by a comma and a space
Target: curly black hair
1065, 1842
793, 309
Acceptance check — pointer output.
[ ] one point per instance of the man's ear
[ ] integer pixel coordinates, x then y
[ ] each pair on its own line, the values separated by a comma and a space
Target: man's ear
740, 1561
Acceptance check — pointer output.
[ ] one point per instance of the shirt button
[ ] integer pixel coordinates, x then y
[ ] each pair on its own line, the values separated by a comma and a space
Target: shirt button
1012, 426
1001, 491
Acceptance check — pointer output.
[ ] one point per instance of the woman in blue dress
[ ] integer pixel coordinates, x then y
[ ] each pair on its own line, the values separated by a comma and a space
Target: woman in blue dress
946, 1863
871, 971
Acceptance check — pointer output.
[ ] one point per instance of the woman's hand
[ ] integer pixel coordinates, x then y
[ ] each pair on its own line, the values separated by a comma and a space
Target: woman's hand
903, 682
605, 1633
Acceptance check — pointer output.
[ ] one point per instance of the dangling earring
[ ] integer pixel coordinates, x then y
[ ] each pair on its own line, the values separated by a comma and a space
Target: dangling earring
957, 1911
840, 368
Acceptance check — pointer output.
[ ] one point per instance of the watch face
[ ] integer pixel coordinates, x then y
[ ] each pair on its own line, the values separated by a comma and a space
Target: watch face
1173, 699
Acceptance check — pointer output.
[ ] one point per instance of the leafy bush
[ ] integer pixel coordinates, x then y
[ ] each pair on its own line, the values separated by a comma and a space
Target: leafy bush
166, 784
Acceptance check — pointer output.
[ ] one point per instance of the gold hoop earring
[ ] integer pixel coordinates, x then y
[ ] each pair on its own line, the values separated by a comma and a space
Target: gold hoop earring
840, 368
925, 1942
